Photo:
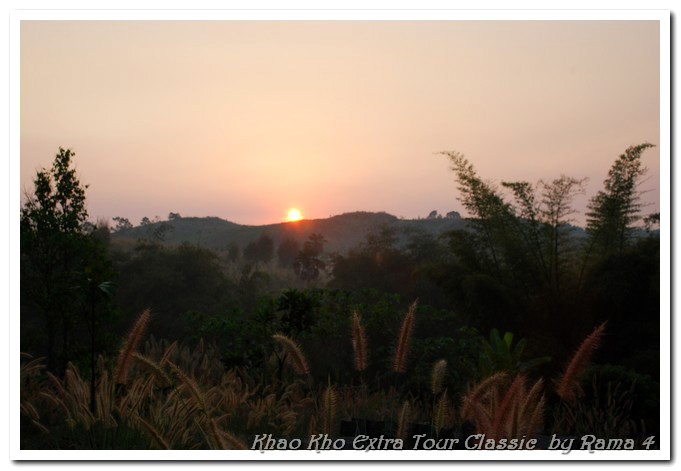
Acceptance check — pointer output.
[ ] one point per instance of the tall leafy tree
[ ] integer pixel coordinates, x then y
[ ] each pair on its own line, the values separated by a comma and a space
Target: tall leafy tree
61, 261
51, 227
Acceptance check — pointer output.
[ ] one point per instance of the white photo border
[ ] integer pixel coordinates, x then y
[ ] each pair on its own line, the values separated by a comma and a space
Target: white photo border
663, 16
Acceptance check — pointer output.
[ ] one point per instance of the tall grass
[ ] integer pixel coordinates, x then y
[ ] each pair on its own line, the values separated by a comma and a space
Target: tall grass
170, 396
404, 340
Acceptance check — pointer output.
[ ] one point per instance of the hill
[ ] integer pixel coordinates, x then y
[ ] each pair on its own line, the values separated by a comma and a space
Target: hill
342, 232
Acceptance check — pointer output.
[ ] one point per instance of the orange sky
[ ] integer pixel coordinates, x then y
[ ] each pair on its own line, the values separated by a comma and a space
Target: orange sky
243, 120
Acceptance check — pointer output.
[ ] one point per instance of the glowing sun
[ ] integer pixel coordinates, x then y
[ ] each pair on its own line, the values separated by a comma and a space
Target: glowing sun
294, 215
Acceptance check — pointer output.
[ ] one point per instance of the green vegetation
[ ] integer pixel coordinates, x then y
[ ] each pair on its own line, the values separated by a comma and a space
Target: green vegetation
313, 326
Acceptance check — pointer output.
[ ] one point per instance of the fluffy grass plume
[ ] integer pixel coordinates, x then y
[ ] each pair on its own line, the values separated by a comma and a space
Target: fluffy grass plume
294, 355
403, 421
441, 413
152, 366
567, 387
404, 340
359, 343
506, 414
130, 346
191, 386
437, 376
537, 418
329, 409
471, 400
532, 398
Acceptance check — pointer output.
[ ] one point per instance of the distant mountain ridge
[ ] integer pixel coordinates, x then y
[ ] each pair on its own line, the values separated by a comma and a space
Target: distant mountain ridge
342, 232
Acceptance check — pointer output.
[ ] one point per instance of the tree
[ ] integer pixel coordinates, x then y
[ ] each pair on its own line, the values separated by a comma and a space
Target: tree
260, 250
287, 251
489, 213
145, 221
265, 246
174, 216
232, 252
122, 224
58, 256
615, 208
650, 221
316, 243
102, 232
516, 256
542, 217
161, 230
308, 265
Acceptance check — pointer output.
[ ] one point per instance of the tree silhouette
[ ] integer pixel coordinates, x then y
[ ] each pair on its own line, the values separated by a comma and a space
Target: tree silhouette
260, 250
308, 265
59, 259
614, 210
287, 251
122, 224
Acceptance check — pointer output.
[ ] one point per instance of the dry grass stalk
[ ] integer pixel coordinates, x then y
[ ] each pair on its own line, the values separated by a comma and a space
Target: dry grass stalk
192, 387
312, 426
155, 434
404, 340
168, 352
502, 411
403, 421
567, 387
441, 413
233, 442
532, 397
329, 409
471, 401
537, 418
294, 355
359, 343
216, 434
506, 415
152, 366
130, 346
437, 376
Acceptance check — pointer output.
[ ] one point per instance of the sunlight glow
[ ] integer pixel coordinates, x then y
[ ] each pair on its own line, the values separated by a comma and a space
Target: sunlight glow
294, 215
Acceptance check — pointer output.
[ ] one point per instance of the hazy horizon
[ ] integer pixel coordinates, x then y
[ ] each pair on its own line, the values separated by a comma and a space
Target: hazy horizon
245, 120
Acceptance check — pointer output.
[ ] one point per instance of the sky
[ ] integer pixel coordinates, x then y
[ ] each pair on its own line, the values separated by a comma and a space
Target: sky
244, 120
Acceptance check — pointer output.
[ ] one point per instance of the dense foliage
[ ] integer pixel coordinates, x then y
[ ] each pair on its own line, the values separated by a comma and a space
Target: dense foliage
296, 338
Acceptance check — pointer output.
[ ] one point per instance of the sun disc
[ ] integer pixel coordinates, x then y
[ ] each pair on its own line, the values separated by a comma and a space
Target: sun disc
294, 215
